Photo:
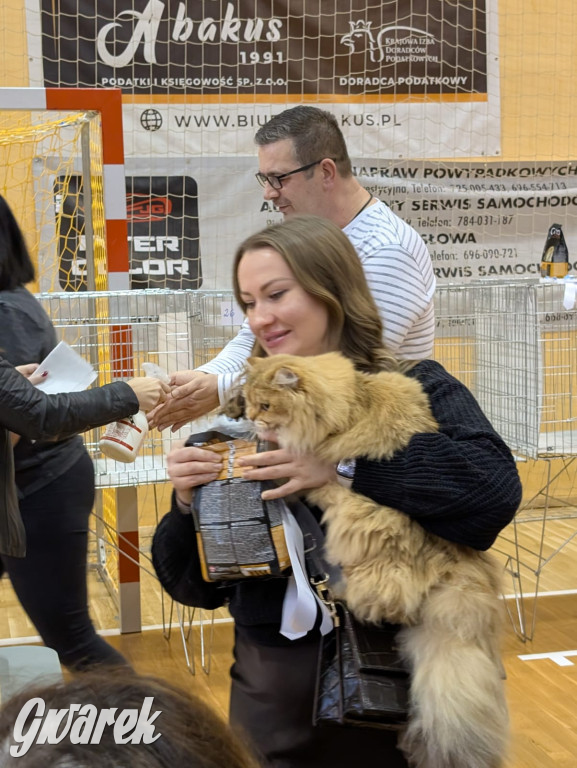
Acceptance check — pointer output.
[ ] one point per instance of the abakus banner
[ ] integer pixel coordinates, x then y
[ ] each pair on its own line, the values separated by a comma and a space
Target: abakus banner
412, 79
199, 77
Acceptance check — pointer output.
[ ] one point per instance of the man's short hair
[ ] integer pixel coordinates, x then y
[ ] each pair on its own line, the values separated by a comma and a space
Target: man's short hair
314, 132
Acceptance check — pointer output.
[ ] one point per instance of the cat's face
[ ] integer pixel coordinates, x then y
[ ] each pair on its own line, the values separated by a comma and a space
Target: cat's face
270, 403
293, 397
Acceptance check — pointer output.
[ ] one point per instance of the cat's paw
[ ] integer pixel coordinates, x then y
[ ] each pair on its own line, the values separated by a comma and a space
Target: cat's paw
320, 497
330, 494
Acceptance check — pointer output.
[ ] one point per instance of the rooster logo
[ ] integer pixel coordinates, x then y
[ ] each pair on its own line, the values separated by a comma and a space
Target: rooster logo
361, 34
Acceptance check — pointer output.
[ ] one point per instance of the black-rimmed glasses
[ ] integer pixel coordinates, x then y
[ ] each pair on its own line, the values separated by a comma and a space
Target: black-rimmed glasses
276, 181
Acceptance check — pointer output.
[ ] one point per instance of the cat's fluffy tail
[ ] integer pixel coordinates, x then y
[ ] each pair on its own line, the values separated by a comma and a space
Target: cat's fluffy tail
459, 712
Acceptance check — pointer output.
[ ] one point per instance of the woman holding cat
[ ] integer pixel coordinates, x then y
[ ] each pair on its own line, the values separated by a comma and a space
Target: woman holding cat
304, 293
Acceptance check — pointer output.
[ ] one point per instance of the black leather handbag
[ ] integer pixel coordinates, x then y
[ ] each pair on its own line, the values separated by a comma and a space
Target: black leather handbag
361, 677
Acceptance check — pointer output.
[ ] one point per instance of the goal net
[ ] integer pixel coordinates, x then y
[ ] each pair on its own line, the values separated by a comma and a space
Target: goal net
52, 179
54, 175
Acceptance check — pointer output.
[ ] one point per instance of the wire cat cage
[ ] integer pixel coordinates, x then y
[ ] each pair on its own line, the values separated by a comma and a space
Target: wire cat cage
117, 332
515, 346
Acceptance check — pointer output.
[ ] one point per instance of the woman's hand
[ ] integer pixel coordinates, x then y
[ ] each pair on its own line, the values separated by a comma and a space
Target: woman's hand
188, 467
149, 391
301, 472
193, 395
28, 371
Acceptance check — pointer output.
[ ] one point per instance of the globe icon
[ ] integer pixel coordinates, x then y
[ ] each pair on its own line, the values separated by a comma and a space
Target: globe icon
151, 119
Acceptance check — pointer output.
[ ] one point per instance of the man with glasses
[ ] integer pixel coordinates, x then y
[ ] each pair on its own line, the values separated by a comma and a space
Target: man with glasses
304, 167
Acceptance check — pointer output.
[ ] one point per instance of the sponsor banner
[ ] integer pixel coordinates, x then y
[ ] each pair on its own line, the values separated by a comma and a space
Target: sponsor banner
163, 233
228, 208
480, 220
189, 70
370, 130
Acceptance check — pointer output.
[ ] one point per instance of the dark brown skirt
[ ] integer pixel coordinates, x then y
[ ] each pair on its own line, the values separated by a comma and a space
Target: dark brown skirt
272, 700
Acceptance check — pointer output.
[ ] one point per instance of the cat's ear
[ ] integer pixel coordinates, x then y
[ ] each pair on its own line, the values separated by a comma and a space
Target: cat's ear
235, 406
286, 378
251, 363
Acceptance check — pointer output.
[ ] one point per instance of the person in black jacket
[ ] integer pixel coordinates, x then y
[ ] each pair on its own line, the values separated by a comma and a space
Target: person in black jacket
303, 294
53, 485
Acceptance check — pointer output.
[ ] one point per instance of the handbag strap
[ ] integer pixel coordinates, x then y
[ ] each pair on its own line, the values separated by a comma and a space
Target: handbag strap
317, 566
321, 573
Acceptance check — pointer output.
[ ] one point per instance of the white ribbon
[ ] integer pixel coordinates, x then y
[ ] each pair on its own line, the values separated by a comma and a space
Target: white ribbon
569, 296
299, 610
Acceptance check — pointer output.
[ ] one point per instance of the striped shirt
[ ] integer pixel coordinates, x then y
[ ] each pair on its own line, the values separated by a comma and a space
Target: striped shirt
400, 275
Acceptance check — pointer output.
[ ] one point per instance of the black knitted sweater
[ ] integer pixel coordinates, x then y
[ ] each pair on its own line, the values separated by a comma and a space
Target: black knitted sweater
460, 483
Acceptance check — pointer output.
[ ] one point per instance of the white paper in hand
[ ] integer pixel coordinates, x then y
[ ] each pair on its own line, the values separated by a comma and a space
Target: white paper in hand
67, 371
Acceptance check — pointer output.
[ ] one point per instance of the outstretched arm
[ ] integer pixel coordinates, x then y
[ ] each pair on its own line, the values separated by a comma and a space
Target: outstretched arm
37, 416
231, 359
197, 392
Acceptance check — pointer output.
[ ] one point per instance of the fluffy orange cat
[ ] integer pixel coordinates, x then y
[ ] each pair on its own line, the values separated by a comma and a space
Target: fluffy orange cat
446, 595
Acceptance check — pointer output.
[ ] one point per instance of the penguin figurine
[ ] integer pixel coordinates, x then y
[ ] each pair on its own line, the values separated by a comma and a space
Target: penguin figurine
555, 259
